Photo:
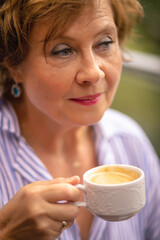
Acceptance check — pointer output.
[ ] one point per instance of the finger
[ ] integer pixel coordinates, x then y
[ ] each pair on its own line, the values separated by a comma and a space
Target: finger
58, 227
60, 192
69, 224
71, 180
54, 190
62, 211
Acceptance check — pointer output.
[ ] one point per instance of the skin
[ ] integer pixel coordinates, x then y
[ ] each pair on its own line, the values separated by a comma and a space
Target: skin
89, 67
34, 214
84, 61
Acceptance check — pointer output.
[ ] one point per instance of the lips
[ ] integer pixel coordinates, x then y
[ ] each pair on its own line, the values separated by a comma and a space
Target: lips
87, 100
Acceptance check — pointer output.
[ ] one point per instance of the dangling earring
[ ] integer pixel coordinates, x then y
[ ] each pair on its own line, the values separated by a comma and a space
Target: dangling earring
16, 90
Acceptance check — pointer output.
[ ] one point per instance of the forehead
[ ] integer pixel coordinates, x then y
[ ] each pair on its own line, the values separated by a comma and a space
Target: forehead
98, 10
90, 15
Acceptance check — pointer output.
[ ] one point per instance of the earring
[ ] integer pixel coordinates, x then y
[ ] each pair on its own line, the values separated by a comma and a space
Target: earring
16, 90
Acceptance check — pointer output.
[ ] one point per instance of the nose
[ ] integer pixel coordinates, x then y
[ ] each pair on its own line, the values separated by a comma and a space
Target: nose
90, 71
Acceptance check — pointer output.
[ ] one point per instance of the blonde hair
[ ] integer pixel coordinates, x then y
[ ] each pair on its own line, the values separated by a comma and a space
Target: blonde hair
17, 18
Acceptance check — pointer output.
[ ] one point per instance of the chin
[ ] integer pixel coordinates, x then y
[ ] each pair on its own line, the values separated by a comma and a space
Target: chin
90, 119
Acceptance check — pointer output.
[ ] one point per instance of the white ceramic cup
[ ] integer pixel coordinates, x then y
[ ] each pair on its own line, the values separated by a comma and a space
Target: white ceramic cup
113, 202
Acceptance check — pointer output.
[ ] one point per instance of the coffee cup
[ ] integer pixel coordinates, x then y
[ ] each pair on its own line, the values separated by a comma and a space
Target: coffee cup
113, 192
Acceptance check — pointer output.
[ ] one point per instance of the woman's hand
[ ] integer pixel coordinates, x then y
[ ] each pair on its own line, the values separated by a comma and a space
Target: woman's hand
34, 212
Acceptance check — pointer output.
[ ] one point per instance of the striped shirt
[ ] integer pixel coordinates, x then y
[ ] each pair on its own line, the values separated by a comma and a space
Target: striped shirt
118, 139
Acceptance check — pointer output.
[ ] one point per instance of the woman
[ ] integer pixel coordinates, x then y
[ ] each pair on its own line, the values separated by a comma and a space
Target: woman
61, 63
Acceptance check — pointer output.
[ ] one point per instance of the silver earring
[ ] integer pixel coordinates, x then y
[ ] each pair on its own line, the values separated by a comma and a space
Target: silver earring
16, 90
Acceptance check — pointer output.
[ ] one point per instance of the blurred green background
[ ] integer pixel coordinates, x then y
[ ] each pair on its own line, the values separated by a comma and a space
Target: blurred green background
138, 94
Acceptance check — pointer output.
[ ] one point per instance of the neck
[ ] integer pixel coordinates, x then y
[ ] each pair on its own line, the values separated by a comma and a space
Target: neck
43, 134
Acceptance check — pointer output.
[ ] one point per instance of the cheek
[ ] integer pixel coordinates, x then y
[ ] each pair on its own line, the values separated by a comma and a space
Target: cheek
114, 74
51, 85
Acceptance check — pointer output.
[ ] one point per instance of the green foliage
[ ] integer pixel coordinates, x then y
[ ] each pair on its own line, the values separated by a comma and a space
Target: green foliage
139, 98
148, 39
151, 20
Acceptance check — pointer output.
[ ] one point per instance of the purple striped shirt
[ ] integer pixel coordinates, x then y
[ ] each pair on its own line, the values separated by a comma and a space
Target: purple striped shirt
118, 139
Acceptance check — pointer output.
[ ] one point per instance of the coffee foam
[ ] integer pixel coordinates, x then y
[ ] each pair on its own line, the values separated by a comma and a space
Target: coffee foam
113, 175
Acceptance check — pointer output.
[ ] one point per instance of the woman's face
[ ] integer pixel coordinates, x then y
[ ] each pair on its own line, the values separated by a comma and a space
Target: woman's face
76, 81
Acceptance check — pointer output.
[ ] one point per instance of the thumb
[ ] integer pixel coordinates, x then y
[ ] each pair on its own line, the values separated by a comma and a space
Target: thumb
71, 180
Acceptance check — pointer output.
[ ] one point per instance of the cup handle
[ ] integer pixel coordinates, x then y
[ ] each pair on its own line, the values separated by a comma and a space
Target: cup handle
80, 204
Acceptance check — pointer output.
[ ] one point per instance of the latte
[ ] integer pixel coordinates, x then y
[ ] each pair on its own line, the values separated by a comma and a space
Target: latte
113, 175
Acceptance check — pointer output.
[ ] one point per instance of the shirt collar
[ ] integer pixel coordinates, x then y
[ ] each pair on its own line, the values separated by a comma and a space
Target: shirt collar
9, 122
29, 165
103, 134
8, 118
105, 128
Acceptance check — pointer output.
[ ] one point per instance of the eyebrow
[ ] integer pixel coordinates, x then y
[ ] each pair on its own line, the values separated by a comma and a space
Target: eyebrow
109, 28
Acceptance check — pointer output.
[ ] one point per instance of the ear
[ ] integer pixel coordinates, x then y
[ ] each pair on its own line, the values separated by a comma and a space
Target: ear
15, 73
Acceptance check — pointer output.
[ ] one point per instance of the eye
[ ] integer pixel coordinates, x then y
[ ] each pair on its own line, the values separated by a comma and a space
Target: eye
104, 44
61, 50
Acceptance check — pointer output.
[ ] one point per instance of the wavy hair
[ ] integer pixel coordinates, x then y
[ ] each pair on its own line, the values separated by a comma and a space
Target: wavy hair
17, 18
